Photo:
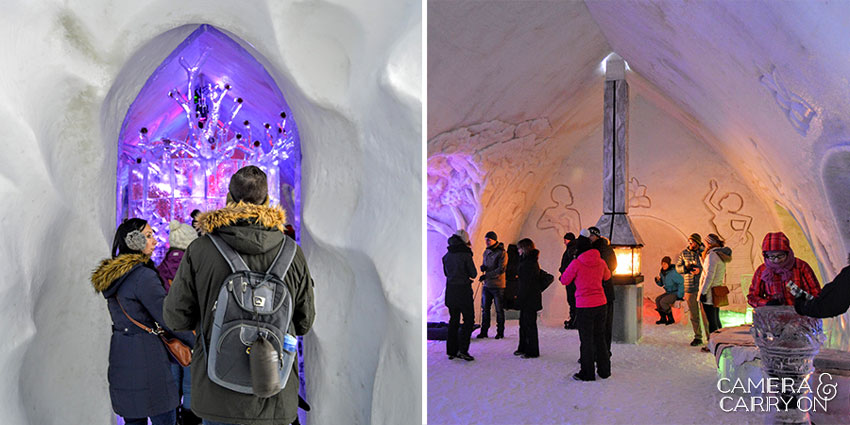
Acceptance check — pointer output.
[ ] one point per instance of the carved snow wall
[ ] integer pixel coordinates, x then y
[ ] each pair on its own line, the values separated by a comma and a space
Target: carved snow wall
679, 185
480, 178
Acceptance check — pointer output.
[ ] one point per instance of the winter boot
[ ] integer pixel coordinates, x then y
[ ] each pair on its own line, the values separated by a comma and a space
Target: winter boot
663, 318
670, 319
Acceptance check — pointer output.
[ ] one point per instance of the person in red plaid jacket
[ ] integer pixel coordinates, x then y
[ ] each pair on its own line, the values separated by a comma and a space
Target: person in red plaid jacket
780, 266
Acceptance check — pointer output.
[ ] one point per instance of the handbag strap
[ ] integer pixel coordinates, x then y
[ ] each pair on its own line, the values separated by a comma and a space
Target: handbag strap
147, 329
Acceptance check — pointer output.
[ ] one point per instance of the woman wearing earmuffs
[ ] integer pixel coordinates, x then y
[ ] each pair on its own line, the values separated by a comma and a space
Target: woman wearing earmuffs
141, 384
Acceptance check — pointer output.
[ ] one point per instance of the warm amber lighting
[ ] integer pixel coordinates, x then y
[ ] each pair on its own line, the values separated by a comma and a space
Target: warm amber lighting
628, 260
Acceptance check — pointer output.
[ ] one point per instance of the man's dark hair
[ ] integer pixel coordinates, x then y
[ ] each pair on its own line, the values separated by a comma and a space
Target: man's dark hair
249, 185
570, 236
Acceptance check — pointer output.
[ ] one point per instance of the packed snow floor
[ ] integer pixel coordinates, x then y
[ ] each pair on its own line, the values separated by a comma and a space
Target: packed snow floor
661, 380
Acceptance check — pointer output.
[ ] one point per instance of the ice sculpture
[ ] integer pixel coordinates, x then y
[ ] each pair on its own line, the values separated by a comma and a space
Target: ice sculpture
788, 344
209, 109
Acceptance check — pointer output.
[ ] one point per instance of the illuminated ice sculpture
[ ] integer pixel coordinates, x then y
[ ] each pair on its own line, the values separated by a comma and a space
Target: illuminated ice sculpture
209, 109
788, 344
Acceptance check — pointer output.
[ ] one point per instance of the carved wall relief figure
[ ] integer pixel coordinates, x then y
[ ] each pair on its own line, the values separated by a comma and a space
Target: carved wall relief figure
637, 195
559, 217
454, 187
734, 228
798, 111
482, 177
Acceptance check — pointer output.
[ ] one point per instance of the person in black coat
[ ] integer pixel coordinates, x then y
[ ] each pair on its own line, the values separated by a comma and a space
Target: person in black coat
529, 298
141, 384
511, 278
833, 299
566, 258
603, 245
460, 271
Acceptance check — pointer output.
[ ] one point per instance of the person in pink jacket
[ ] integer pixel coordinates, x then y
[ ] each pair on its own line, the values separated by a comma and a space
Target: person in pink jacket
588, 271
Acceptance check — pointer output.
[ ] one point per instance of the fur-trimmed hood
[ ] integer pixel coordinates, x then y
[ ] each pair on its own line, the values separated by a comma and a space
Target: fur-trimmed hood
112, 269
266, 216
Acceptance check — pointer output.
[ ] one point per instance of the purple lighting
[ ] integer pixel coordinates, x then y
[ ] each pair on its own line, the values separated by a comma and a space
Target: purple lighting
209, 109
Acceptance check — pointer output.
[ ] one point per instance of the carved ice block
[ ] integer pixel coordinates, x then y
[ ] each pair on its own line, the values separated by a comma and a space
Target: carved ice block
787, 344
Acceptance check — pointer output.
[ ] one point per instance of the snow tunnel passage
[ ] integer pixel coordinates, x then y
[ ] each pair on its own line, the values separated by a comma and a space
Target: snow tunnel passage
209, 109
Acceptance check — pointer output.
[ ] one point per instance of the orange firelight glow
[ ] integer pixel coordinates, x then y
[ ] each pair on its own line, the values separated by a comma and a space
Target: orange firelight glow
628, 260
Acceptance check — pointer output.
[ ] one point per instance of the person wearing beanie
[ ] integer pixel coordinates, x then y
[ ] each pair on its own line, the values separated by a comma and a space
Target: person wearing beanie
603, 245
494, 265
768, 286
460, 271
566, 258
674, 289
179, 237
463, 236
689, 265
587, 273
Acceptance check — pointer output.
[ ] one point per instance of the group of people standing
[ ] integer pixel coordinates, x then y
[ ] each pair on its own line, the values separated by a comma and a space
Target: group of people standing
587, 266
586, 269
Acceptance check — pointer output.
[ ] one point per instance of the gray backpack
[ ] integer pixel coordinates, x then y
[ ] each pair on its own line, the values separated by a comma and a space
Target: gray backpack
252, 307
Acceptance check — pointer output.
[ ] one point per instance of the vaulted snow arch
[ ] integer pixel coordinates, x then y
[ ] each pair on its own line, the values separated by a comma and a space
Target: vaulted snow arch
209, 109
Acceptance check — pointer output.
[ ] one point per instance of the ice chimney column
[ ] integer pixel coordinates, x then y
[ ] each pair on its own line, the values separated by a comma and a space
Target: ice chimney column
615, 136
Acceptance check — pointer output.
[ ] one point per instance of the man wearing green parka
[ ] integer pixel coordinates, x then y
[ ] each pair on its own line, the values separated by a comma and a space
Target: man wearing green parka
255, 230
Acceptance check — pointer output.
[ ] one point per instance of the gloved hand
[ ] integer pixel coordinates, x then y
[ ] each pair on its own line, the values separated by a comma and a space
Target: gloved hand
702, 298
482, 268
481, 278
775, 301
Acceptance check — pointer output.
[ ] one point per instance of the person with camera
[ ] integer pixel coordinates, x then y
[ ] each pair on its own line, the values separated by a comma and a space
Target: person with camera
689, 265
780, 266
714, 260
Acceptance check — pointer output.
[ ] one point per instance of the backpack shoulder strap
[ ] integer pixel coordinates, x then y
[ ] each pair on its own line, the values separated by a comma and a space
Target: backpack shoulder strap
284, 257
234, 260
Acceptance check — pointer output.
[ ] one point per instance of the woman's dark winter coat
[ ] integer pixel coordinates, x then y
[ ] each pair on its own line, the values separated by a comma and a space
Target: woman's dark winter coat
529, 282
511, 279
460, 271
139, 374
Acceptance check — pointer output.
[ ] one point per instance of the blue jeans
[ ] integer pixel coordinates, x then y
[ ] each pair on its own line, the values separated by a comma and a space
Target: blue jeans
495, 296
184, 383
167, 418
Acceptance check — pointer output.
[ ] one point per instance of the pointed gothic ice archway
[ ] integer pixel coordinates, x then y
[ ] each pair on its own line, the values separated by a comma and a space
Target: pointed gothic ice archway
209, 109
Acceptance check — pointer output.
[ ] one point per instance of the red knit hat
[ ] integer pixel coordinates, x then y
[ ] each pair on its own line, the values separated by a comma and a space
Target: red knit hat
775, 241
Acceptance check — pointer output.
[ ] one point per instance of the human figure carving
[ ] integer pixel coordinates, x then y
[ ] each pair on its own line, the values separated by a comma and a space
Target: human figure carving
560, 217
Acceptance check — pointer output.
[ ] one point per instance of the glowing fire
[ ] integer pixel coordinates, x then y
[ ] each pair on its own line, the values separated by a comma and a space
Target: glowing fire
628, 261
